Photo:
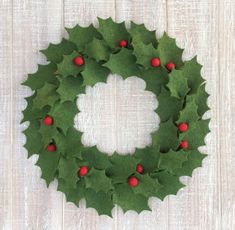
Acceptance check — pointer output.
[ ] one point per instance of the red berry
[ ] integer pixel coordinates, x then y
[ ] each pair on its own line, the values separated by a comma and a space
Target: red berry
183, 127
83, 170
133, 181
184, 144
170, 66
48, 120
155, 62
78, 60
139, 168
51, 148
123, 43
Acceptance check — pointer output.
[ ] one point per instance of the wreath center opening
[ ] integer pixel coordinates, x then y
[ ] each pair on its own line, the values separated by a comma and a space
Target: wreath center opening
118, 115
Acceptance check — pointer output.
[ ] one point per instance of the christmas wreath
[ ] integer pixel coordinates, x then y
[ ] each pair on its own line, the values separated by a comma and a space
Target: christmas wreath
87, 57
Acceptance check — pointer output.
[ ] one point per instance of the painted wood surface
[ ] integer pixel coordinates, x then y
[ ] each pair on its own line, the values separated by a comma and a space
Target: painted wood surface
202, 27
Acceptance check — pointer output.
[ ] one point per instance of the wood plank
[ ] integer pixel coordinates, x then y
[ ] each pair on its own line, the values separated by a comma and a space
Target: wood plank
194, 24
35, 24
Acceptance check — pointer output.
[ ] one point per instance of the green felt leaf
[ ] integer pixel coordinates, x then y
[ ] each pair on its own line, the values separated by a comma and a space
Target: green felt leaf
68, 169
189, 113
201, 100
95, 158
172, 160
100, 201
177, 84
55, 52
139, 33
72, 194
192, 71
48, 162
70, 87
45, 73
112, 32
147, 186
194, 161
98, 181
63, 115
169, 107
123, 63
155, 79
122, 167
45, 96
98, 50
169, 51
47, 133
82, 35
144, 53
196, 134
166, 137
125, 197
148, 158
33, 138
170, 184
67, 66
94, 72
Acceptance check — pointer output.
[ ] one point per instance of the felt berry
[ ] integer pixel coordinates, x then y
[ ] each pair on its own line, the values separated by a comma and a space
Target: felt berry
78, 61
48, 120
184, 144
133, 181
83, 170
139, 168
183, 127
155, 62
170, 66
51, 148
123, 43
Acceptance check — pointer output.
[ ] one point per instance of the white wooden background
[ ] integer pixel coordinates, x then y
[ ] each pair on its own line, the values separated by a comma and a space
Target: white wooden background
203, 27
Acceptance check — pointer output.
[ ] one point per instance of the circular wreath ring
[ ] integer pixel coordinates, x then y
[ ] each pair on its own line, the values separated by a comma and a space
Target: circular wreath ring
88, 56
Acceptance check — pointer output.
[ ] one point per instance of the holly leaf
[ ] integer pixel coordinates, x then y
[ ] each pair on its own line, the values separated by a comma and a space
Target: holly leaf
122, 167
169, 51
144, 53
166, 137
196, 134
147, 186
194, 161
125, 197
172, 160
112, 32
169, 106
82, 35
48, 162
192, 71
201, 100
47, 133
94, 72
72, 194
95, 158
139, 33
33, 139
63, 115
123, 63
45, 96
100, 201
55, 52
45, 73
98, 181
68, 169
170, 184
155, 79
67, 66
70, 87
177, 84
98, 50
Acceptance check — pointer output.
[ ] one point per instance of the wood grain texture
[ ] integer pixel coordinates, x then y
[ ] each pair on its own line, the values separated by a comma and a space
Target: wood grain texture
202, 27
